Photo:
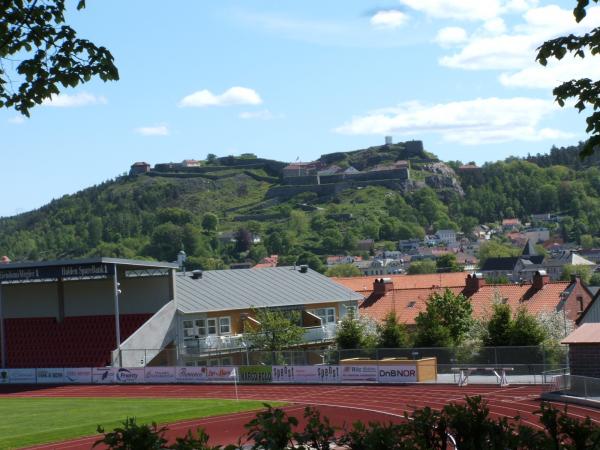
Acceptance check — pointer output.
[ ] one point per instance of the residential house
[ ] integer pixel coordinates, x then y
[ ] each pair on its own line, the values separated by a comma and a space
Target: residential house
139, 168
267, 261
515, 268
380, 266
365, 245
537, 235
555, 265
447, 236
511, 224
215, 308
301, 169
407, 299
191, 163
342, 259
591, 254
409, 245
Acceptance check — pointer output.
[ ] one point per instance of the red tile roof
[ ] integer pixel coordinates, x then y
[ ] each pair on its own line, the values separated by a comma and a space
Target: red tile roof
409, 295
364, 285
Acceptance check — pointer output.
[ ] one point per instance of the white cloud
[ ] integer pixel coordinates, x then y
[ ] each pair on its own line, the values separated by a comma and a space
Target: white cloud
457, 9
389, 19
158, 130
233, 96
75, 100
263, 114
470, 122
556, 72
490, 48
450, 36
16, 120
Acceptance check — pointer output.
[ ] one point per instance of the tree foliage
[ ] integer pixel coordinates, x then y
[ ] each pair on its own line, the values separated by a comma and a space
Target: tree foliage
421, 267
278, 330
584, 91
343, 270
445, 321
39, 53
391, 333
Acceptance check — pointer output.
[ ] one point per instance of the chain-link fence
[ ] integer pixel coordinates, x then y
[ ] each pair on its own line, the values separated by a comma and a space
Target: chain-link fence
577, 386
534, 360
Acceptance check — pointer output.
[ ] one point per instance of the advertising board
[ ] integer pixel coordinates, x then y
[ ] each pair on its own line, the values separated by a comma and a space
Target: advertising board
190, 374
255, 374
159, 375
131, 375
359, 374
50, 375
221, 373
21, 376
306, 374
397, 374
78, 375
103, 375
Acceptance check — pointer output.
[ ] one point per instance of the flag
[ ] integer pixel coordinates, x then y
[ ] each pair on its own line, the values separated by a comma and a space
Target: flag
233, 373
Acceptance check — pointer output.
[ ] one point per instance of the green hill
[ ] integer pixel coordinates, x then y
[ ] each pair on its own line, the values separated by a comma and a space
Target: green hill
156, 214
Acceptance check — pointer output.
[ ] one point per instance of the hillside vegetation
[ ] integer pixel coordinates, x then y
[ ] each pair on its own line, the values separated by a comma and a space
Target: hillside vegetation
156, 215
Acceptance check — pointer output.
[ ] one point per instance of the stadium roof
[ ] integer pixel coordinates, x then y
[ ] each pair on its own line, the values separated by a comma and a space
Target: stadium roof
26, 272
221, 290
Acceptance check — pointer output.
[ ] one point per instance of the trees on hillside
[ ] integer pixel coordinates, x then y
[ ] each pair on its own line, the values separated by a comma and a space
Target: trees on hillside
45, 52
584, 91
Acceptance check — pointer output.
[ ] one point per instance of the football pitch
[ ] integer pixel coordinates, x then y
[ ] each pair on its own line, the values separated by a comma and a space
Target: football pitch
30, 421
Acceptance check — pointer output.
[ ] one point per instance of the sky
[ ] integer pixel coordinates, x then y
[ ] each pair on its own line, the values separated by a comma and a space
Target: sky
294, 80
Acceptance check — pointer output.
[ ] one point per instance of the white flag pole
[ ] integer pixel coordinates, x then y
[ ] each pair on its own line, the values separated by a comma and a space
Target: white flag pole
234, 375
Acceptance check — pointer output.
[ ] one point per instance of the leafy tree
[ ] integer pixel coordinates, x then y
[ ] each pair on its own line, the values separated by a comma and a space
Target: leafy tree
178, 216
391, 333
210, 222
349, 334
525, 330
257, 253
499, 326
211, 158
48, 54
343, 270
166, 242
586, 92
584, 272
595, 279
420, 267
311, 260
495, 249
447, 263
278, 330
445, 321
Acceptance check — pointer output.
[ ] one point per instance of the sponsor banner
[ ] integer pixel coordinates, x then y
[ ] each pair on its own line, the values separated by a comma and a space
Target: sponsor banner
103, 375
21, 376
317, 374
255, 374
306, 374
4, 376
159, 375
397, 374
50, 375
129, 376
221, 373
359, 374
190, 374
282, 374
78, 375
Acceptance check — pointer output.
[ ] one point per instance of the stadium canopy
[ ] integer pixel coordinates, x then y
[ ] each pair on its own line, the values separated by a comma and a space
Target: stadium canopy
61, 271
78, 269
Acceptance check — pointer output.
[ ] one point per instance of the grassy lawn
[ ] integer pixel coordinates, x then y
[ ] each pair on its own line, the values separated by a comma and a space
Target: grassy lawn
29, 421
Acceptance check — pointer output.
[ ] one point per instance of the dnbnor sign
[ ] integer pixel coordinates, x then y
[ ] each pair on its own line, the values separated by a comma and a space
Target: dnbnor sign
401, 374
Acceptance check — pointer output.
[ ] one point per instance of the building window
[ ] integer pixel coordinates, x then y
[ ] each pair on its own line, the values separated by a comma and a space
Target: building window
201, 327
351, 311
188, 329
212, 326
224, 325
327, 315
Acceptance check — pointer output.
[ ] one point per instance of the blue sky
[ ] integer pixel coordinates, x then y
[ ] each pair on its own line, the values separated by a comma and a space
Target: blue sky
287, 79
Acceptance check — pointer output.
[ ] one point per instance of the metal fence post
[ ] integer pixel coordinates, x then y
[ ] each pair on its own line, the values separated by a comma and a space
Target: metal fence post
585, 387
496, 356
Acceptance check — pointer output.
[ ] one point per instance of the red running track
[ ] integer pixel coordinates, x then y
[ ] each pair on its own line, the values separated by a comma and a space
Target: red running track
342, 404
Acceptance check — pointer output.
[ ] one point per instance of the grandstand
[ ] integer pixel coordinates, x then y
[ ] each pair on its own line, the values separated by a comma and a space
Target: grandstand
76, 313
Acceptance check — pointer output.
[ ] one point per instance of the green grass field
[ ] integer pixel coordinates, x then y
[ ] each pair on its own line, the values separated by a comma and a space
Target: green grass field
29, 421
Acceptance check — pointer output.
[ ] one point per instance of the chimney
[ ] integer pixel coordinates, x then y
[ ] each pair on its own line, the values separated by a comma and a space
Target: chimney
196, 274
474, 282
382, 285
303, 268
540, 279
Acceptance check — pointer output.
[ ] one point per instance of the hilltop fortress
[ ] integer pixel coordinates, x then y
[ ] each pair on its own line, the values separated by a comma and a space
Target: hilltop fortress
403, 166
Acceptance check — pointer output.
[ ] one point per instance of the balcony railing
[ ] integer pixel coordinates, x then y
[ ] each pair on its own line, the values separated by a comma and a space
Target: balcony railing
322, 333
